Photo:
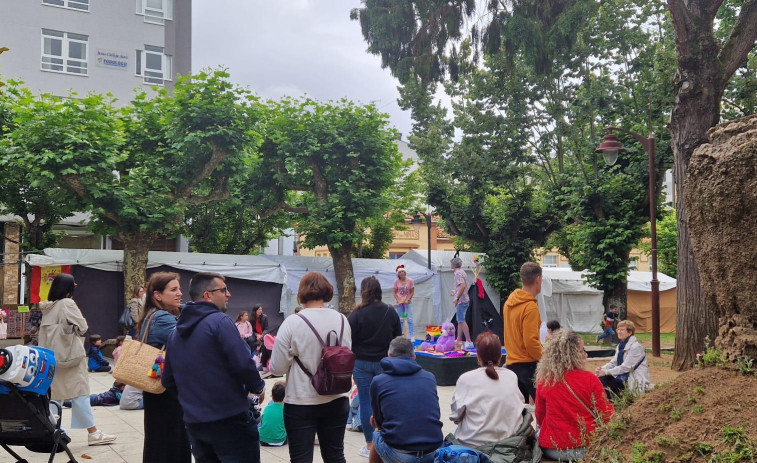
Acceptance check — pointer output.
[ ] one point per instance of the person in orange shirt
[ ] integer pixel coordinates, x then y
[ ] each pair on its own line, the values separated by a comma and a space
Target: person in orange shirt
522, 322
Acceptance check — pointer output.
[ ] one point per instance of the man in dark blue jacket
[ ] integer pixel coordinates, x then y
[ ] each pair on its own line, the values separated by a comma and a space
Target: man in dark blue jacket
405, 408
212, 370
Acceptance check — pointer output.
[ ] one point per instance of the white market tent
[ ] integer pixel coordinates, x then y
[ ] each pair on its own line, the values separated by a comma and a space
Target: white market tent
383, 269
254, 268
567, 298
284, 270
444, 281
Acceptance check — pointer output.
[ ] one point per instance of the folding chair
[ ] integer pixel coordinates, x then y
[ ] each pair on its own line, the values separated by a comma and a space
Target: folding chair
26, 420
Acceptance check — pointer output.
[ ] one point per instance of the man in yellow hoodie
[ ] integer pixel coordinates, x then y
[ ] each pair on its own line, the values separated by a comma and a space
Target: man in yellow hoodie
522, 322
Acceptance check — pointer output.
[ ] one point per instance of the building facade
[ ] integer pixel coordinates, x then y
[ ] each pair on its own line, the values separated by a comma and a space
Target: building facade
69, 48
102, 46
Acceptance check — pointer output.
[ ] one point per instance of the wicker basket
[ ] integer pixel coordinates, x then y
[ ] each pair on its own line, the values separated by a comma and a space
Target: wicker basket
135, 364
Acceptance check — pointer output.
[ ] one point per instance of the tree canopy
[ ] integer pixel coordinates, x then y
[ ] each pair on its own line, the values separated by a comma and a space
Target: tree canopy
338, 159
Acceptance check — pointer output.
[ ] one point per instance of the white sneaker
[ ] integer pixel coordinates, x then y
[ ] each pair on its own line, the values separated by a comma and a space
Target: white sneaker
349, 426
100, 438
364, 452
468, 345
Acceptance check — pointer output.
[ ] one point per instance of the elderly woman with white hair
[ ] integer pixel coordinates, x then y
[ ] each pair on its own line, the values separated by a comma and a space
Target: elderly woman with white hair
628, 368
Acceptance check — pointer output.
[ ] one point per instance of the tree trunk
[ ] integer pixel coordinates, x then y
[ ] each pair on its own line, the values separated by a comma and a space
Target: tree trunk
698, 89
136, 247
617, 296
345, 277
721, 191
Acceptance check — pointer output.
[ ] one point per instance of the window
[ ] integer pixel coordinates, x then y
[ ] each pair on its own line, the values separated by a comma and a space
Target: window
153, 66
64, 52
82, 5
549, 261
155, 11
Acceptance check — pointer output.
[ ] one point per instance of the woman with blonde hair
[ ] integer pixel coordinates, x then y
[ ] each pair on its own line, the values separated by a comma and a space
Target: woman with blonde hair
628, 367
570, 401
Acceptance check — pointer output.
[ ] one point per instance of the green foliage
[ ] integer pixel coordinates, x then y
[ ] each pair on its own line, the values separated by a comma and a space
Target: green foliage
664, 441
702, 448
712, 356
745, 366
640, 454
340, 157
138, 168
667, 243
332, 165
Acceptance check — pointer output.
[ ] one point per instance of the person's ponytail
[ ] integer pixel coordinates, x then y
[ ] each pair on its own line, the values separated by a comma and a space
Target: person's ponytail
491, 371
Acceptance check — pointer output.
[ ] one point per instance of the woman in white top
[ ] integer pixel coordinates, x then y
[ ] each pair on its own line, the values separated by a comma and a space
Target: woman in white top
487, 405
305, 411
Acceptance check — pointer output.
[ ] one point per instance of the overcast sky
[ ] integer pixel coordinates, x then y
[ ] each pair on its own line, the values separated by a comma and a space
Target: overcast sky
294, 47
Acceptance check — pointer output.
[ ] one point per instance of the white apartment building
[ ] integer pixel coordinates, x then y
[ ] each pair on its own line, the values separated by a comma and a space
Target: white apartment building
102, 46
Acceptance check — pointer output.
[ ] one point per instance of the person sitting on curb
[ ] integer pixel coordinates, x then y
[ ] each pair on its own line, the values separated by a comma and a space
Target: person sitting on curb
406, 411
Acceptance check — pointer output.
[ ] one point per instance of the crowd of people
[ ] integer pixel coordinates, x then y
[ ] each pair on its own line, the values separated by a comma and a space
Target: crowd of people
218, 415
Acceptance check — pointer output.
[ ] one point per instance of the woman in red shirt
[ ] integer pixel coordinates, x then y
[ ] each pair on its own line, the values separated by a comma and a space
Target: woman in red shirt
570, 401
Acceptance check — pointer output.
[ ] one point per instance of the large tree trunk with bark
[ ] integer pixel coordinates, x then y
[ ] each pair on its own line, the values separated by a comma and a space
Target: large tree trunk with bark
699, 85
136, 248
721, 191
345, 276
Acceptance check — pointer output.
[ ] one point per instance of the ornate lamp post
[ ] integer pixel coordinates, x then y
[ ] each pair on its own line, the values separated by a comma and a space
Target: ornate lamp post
610, 147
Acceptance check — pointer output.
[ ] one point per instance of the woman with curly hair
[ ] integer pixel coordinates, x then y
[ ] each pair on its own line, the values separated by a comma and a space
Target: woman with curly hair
570, 401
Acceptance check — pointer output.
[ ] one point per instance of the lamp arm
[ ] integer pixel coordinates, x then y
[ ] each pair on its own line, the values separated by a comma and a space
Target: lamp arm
645, 141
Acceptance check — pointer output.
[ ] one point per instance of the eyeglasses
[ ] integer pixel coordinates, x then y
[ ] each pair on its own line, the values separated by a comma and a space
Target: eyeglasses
225, 290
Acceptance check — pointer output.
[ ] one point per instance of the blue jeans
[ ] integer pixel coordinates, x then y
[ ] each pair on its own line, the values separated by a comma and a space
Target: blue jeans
403, 309
363, 374
460, 309
608, 332
392, 455
230, 440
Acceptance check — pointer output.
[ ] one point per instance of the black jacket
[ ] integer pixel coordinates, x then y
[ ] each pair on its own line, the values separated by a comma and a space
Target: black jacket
373, 328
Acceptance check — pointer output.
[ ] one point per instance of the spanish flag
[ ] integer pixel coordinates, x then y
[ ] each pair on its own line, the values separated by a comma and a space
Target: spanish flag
42, 279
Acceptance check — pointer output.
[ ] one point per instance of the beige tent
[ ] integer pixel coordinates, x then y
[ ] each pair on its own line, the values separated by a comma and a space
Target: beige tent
640, 310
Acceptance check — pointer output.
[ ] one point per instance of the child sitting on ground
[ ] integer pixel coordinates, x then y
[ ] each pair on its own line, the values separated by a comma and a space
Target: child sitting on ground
97, 360
117, 350
272, 432
108, 398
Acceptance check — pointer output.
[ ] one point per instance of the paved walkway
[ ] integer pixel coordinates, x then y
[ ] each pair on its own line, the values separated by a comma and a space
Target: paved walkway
127, 425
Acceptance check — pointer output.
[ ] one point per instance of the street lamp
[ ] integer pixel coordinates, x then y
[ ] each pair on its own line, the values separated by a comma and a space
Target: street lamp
417, 219
610, 147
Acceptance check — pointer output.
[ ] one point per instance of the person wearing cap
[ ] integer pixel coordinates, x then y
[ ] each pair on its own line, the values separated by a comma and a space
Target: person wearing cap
404, 289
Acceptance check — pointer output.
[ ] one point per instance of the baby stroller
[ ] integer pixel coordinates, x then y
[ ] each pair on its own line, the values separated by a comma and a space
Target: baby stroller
25, 407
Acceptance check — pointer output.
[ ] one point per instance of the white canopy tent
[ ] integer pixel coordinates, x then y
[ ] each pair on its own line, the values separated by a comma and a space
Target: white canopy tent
444, 281
384, 270
567, 298
255, 268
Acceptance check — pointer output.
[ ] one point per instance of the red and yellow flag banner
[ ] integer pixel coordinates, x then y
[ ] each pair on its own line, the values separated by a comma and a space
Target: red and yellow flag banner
42, 279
